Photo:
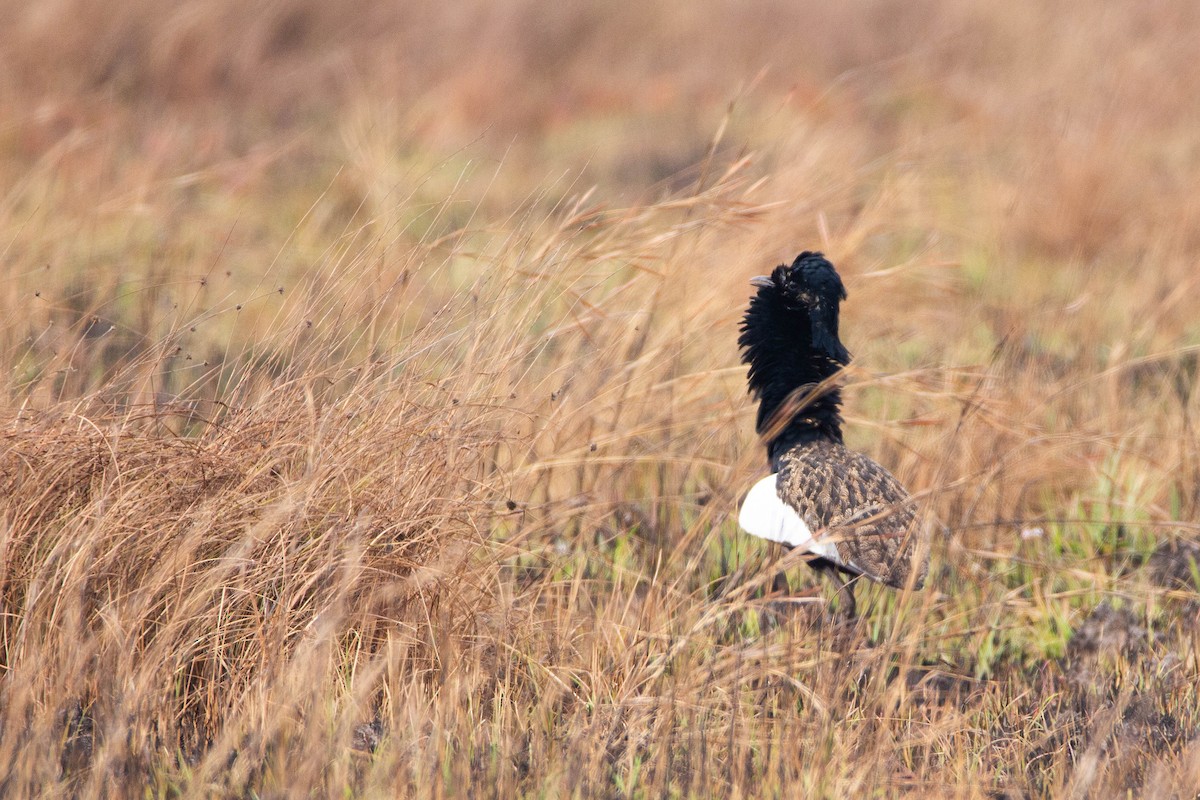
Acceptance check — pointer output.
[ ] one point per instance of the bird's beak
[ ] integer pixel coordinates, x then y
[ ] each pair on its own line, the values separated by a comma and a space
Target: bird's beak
762, 281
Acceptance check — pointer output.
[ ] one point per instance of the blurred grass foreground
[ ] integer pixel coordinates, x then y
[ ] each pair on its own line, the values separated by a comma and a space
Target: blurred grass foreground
373, 423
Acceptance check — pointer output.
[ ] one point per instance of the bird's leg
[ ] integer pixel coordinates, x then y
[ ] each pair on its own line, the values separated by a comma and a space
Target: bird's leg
846, 592
844, 586
776, 611
780, 584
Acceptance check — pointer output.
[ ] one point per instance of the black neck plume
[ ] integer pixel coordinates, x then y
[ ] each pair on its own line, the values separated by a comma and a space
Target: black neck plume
792, 348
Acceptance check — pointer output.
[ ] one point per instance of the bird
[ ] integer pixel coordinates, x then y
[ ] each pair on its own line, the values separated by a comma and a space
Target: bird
846, 510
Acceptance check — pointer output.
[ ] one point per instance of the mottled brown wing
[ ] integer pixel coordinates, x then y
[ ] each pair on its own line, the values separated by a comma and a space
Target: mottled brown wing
858, 503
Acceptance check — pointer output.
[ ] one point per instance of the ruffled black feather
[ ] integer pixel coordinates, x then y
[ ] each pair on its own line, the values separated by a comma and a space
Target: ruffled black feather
789, 337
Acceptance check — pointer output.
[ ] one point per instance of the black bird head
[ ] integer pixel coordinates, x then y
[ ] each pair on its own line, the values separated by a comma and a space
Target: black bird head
789, 337
811, 289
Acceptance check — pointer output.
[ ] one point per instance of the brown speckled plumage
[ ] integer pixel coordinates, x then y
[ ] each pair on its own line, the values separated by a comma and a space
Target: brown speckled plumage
858, 504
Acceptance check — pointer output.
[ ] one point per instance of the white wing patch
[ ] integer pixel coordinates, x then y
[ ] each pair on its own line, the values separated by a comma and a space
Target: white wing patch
766, 516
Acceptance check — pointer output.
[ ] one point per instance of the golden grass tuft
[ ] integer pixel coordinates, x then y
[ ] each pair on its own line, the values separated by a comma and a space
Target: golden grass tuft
167, 589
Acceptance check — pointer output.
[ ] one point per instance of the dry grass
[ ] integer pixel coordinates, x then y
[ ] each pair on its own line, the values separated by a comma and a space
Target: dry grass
374, 423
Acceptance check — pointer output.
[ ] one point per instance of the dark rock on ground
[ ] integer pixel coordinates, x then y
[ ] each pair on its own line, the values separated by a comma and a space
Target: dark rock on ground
1172, 564
366, 737
1109, 630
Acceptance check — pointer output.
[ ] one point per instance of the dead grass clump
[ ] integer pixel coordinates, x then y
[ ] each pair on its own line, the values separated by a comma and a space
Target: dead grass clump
164, 594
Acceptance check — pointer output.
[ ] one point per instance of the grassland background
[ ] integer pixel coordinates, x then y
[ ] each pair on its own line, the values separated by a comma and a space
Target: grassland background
373, 423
